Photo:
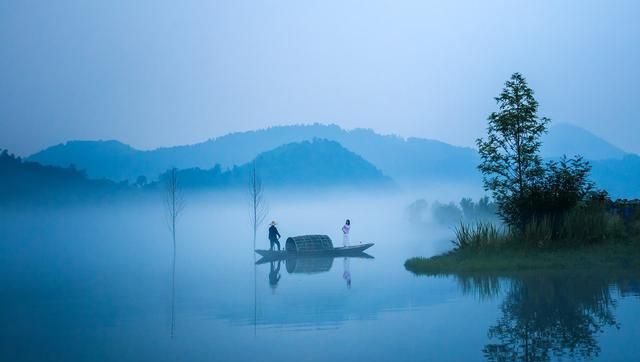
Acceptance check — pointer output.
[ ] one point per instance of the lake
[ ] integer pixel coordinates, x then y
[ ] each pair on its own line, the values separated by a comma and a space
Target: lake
84, 283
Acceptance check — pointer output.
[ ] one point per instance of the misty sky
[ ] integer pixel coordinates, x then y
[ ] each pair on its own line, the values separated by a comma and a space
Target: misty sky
154, 73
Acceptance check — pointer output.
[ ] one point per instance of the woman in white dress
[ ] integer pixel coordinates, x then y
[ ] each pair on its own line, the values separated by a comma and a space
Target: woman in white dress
345, 232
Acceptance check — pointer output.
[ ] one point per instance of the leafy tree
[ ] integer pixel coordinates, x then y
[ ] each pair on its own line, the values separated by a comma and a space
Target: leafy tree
510, 160
565, 183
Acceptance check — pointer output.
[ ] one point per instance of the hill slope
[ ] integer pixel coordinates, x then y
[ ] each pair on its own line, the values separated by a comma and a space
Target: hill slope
24, 181
100, 159
315, 163
571, 140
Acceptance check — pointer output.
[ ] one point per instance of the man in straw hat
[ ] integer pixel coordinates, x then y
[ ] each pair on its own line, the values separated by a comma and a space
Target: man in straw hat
274, 235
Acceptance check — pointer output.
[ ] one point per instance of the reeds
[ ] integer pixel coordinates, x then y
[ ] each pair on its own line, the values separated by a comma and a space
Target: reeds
479, 235
581, 226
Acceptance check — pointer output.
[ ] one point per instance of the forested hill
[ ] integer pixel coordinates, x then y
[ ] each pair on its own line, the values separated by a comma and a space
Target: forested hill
308, 164
24, 181
316, 163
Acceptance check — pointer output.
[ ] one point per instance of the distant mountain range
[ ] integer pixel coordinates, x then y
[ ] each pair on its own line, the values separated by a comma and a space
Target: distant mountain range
224, 160
404, 160
316, 163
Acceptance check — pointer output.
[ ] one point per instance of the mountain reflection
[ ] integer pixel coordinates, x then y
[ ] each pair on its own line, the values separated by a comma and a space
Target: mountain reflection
547, 316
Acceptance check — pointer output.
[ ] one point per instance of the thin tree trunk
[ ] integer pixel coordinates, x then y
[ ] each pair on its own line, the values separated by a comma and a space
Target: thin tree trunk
173, 291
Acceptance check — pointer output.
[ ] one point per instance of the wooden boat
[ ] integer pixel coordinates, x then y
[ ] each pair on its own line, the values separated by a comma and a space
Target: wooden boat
339, 251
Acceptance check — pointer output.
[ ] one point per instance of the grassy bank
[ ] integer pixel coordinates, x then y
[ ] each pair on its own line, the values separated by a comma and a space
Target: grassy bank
596, 257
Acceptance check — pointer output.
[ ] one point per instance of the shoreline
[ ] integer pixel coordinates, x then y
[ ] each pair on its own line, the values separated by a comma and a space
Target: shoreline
601, 257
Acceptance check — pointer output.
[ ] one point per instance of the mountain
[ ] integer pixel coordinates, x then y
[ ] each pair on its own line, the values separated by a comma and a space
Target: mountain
405, 160
24, 181
100, 159
620, 177
316, 163
613, 169
571, 140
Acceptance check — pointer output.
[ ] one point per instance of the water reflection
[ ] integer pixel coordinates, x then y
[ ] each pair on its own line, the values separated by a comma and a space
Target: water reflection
307, 265
173, 293
347, 272
274, 275
95, 285
548, 316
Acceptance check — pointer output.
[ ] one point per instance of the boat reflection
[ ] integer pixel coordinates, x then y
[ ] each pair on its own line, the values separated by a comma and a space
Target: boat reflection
302, 264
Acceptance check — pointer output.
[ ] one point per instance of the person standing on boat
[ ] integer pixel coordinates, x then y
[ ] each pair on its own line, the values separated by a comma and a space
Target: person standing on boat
345, 232
274, 235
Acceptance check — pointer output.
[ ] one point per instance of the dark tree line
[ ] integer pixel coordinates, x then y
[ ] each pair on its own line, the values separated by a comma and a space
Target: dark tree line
25, 181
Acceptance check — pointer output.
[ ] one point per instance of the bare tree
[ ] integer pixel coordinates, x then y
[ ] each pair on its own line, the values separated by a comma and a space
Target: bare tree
174, 202
259, 209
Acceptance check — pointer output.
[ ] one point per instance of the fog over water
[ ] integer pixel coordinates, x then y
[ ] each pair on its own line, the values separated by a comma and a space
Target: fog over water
133, 133
94, 283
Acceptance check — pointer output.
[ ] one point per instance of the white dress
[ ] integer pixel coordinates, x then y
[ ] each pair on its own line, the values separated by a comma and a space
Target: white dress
345, 234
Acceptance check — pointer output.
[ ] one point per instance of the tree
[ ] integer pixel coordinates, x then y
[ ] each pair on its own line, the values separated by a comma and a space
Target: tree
174, 200
259, 209
141, 181
483, 210
510, 160
565, 184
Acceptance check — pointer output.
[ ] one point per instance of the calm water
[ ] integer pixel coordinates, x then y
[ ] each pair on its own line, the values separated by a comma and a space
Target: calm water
97, 284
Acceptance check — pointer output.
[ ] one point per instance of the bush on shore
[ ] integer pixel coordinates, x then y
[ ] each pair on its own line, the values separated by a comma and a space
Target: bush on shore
581, 226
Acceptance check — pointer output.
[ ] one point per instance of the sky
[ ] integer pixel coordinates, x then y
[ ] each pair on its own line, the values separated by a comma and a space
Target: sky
156, 73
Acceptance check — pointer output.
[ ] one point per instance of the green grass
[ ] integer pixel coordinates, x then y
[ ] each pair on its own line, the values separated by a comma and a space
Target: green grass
610, 255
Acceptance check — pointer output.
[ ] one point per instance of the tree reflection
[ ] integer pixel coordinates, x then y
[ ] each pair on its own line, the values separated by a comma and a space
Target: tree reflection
546, 316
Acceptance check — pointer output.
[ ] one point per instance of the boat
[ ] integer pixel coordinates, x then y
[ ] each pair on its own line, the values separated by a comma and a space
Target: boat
312, 245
